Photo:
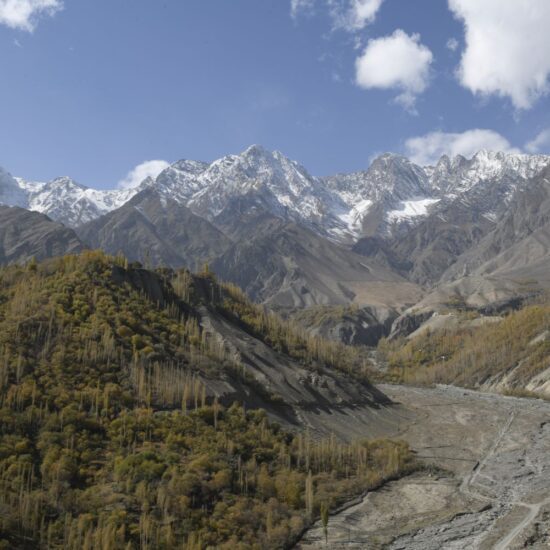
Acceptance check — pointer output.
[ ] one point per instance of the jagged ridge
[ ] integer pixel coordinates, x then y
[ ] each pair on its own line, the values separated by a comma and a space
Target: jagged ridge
393, 194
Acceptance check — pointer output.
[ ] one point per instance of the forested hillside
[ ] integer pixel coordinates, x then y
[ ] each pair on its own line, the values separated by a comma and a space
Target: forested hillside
111, 431
511, 355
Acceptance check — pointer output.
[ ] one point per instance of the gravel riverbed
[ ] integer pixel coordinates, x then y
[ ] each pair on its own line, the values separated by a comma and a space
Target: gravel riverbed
493, 489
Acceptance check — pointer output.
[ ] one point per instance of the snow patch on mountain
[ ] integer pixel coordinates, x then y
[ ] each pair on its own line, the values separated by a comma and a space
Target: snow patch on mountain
411, 209
353, 218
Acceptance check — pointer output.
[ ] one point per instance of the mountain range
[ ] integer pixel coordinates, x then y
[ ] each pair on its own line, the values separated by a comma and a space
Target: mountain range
398, 237
392, 194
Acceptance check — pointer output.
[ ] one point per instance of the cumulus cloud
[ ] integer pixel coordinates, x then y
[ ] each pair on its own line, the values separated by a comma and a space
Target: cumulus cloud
149, 168
398, 61
507, 45
24, 14
428, 149
541, 143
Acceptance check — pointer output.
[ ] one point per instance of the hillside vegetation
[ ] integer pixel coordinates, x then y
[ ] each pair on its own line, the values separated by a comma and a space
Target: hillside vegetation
109, 437
290, 337
512, 356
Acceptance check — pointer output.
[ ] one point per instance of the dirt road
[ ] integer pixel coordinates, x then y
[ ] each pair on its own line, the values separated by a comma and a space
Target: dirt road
496, 494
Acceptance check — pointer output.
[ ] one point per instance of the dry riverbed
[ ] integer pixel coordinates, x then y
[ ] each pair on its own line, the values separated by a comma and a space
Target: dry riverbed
493, 489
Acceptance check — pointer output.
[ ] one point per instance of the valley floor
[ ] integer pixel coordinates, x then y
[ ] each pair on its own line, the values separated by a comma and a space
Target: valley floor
490, 487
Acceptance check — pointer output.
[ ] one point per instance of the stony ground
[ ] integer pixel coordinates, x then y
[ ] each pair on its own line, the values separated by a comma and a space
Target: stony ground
490, 488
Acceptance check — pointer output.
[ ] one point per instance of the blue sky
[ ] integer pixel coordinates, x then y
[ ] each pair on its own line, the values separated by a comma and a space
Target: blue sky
94, 88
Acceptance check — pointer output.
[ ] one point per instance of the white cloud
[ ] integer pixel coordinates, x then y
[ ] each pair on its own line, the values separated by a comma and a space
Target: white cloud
365, 11
507, 45
149, 168
24, 14
398, 61
300, 6
428, 149
353, 15
541, 144
452, 44
349, 15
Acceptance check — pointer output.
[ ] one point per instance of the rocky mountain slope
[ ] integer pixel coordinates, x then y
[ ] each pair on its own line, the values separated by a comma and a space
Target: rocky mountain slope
288, 265
518, 244
156, 231
478, 264
25, 235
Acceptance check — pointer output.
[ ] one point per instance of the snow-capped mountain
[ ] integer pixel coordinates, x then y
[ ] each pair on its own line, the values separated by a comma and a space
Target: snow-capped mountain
180, 181
486, 182
391, 193
395, 194
459, 175
391, 196
283, 184
66, 201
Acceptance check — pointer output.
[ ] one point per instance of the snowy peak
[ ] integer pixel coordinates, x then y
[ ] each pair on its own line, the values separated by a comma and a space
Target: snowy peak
459, 176
65, 182
281, 182
180, 181
389, 178
10, 192
67, 201
257, 167
490, 164
63, 200
191, 167
384, 198
445, 167
396, 177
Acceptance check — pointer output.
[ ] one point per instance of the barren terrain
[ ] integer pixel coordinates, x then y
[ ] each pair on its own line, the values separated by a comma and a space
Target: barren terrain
490, 487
